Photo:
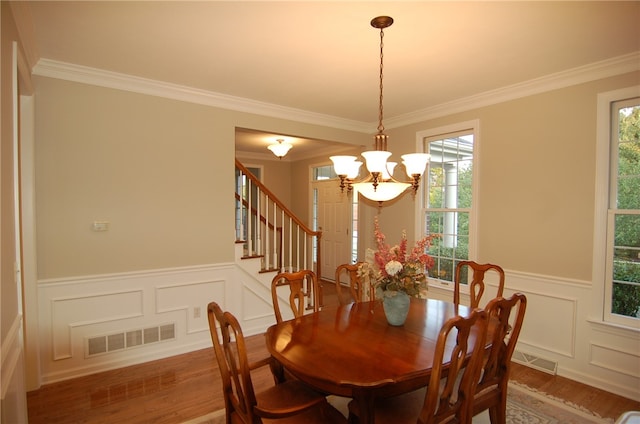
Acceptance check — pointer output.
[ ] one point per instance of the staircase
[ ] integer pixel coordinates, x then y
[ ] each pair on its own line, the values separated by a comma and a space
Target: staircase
270, 238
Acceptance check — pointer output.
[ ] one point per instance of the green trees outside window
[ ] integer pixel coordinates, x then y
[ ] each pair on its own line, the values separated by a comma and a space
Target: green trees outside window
626, 252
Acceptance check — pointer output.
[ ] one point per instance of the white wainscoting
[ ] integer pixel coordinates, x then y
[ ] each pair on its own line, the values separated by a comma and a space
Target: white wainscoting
72, 311
13, 402
557, 327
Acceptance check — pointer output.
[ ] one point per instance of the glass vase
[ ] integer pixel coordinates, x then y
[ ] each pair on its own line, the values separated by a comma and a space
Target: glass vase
396, 307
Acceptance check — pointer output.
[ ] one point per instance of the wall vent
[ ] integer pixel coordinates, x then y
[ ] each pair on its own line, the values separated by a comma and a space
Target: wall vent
533, 361
123, 340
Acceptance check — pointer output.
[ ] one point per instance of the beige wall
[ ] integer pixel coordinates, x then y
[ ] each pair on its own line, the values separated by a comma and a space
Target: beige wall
157, 170
153, 168
536, 158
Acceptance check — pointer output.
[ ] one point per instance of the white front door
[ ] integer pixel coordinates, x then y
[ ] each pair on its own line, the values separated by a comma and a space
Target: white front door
334, 220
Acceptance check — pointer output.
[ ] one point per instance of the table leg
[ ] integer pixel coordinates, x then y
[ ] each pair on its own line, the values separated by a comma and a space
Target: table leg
364, 398
278, 371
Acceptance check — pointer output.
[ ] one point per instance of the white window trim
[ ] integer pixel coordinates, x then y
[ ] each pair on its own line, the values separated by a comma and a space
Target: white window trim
600, 313
474, 126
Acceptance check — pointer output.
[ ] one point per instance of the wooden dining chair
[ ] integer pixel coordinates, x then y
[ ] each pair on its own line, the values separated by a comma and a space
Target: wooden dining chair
477, 285
457, 364
288, 402
358, 290
302, 296
491, 392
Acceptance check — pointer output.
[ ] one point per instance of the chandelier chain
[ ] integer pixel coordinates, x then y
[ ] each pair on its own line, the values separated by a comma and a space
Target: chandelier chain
380, 111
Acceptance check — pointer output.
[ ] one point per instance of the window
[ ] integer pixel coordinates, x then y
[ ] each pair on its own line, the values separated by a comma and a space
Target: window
448, 197
622, 256
325, 172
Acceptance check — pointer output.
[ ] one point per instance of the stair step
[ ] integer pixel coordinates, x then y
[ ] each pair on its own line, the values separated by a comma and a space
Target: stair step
251, 256
262, 271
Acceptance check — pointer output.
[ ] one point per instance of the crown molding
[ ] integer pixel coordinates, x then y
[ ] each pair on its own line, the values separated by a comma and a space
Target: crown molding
87, 75
21, 12
83, 74
598, 70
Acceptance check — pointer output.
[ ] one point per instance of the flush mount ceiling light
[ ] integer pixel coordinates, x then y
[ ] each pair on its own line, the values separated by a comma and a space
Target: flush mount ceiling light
380, 185
280, 148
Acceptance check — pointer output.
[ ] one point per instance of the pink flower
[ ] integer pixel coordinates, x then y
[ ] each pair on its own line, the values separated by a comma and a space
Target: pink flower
392, 269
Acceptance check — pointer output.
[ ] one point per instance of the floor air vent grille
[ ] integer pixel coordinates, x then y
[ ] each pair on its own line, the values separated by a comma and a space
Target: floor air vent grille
536, 362
116, 342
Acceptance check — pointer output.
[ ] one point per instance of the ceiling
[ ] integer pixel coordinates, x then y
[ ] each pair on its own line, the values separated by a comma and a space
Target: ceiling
322, 57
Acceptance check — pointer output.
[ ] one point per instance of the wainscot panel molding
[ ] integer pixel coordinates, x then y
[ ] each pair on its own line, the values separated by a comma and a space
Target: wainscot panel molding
76, 311
626, 362
12, 388
69, 313
557, 329
10, 353
255, 297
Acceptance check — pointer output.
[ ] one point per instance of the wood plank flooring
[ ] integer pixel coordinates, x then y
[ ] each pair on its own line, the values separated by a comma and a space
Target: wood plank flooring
176, 389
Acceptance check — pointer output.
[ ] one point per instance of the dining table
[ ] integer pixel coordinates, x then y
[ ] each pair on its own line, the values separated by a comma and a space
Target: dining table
350, 350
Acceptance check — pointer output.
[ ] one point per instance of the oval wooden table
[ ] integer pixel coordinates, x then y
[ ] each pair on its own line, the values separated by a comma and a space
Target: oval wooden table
352, 351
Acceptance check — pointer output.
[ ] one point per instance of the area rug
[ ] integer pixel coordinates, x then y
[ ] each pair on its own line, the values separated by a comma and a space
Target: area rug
524, 406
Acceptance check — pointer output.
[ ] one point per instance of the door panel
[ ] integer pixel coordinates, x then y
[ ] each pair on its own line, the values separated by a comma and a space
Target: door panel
334, 213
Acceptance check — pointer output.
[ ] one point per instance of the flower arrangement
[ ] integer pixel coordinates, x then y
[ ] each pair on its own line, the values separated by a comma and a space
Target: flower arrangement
392, 268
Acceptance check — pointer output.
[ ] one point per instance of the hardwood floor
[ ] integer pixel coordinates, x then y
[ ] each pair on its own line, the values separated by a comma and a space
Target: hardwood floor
187, 386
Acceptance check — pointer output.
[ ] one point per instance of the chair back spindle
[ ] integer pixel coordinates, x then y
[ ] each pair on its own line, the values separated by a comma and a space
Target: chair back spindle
302, 296
477, 284
288, 401
450, 391
358, 289
506, 317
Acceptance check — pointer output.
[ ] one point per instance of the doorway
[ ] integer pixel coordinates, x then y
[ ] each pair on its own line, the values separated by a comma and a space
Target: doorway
333, 213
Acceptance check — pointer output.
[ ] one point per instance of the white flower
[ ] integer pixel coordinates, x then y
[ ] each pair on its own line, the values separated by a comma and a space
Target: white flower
393, 267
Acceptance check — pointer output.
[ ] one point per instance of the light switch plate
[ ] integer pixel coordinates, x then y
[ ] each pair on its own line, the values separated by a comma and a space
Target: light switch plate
100, 226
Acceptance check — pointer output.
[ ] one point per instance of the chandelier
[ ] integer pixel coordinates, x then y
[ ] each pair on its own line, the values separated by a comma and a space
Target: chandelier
380, 185
280, 148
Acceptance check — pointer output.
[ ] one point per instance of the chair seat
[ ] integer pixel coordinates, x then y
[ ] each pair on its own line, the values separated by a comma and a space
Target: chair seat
321, 414
291, 392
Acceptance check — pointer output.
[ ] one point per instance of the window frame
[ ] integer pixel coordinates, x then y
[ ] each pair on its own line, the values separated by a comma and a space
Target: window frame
603, 241
422, 140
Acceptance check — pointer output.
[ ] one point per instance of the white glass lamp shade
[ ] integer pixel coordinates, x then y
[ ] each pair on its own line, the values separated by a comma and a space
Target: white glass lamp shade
376, 160
355, 170
342, 165
388, 170
415, 163
383, 192
280, 149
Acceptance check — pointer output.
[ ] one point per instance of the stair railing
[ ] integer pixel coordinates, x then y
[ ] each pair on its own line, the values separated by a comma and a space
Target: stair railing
270, 230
